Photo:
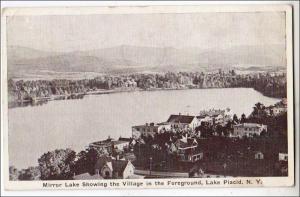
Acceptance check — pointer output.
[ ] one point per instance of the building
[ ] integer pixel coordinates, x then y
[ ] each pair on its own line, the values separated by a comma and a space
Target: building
283, 157
248, 129
205, 119
183, 121
277, 109
149, 129
120, 145
187, 149
109, 145
258, 155
104, 145
214, 116
109, 168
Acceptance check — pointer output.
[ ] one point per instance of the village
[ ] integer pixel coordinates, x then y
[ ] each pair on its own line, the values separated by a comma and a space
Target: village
213, 143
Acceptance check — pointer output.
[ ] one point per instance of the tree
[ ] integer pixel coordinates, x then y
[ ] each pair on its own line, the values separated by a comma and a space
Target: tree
235, 118
31, 173
258, 105
243, 118
13, 173
263, 133
57, 165
87, 159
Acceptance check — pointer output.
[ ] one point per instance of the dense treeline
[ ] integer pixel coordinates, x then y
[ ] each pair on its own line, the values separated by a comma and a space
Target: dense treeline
28, 90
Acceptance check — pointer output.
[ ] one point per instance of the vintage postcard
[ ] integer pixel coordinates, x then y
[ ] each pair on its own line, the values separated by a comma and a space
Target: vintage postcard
147, 97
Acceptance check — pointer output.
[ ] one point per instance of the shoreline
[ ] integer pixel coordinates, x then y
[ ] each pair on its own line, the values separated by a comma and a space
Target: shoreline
44, 100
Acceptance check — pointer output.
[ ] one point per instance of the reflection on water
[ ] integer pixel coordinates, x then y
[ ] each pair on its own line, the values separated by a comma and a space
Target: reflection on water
26, 104
75, 123
42, 101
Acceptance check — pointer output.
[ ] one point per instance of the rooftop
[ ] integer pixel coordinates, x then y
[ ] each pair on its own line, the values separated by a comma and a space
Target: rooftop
211, 112
185, 119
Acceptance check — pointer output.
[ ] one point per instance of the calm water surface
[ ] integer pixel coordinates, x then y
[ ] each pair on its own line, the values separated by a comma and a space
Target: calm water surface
34, 130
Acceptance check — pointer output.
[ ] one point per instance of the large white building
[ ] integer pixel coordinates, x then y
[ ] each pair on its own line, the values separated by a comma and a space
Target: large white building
248, 129
149, 129
183, 121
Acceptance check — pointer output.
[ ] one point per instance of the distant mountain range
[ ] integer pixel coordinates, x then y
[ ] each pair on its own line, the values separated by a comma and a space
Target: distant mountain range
131, 59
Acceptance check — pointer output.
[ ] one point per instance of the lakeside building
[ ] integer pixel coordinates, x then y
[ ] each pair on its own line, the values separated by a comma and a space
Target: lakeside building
214, 116
187, 149
109, 145
248, 129
149, 129
183, 121
277, 109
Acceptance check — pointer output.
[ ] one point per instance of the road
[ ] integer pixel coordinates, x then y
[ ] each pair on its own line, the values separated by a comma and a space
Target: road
162, 174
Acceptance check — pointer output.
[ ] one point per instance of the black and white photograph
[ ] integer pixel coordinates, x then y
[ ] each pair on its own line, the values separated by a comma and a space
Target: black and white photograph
189, 96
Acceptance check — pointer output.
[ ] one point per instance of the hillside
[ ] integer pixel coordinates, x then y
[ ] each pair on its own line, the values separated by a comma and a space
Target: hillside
130, 59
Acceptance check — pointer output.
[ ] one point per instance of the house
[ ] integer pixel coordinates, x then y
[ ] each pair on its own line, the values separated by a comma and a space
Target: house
258, 155
205, 119
183, 121
283, 157
187, 149
120, 145
104, 145
248, 129
110, 168
275, 110
214, 116
109, 145
149, 129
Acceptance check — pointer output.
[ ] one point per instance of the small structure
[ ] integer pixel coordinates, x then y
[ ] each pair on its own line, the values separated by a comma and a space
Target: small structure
110, 168
283, 157
258, 155
248, 129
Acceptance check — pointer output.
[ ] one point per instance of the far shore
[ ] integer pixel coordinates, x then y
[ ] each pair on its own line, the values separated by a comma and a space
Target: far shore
41, 100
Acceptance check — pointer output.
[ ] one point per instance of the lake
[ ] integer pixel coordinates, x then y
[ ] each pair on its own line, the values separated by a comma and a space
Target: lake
34, 130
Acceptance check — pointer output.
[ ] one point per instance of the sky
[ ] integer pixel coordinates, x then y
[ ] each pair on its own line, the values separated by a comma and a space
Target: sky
201, 30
